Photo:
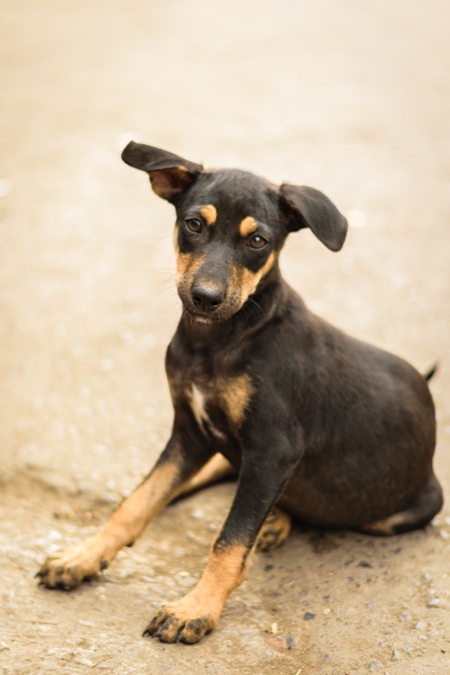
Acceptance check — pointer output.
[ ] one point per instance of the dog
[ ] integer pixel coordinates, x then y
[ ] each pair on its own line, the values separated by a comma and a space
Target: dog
317, 425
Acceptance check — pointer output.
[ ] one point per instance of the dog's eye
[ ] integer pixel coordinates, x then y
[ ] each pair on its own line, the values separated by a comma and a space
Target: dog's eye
193, 224
257, 241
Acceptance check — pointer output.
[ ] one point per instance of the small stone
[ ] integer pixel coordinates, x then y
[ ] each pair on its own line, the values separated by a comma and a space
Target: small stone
86, 487
309, 616
291, 641
109, 498
112, 663
364, 563
433, 602
193, 537
407, 649
374, 666
395, 655
420, 625
444, 534
388, 630
405, 616
426, 577
198, 514
85, 662
186, 582
283, 641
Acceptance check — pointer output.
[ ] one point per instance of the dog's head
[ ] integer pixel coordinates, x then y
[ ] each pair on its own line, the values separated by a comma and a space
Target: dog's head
231, 226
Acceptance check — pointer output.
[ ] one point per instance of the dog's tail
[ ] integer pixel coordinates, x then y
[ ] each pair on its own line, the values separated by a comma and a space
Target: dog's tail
429, 374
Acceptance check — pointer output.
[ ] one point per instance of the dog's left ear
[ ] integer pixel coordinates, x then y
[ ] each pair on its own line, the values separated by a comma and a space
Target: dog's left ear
307, 207
170, 175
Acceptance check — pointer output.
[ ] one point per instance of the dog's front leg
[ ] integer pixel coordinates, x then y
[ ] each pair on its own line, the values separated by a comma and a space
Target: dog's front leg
177, 464
187, 620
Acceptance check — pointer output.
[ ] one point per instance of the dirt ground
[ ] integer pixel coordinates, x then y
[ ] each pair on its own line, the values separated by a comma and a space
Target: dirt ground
352, 98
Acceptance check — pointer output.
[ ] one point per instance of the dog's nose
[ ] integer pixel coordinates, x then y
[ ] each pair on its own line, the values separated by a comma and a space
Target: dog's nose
206, 298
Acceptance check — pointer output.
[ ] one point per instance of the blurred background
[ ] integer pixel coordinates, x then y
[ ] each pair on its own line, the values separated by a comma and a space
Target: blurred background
352, 98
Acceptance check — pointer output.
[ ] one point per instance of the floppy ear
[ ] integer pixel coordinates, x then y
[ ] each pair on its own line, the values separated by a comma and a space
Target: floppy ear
170, 175
307, 207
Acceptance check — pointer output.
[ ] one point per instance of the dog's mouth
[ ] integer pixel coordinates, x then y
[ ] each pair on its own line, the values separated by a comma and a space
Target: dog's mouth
206, 318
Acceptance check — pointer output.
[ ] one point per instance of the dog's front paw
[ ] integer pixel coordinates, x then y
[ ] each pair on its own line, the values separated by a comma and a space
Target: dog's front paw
183, 621
67, 569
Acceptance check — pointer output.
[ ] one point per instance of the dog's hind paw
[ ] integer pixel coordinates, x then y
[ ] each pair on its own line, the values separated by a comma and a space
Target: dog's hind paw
274, 531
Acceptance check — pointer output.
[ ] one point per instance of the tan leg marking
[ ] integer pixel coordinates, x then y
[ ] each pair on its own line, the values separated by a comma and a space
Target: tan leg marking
67, 569
215, 470
248, 226
274, 531
198, 612
235, 396
209, 214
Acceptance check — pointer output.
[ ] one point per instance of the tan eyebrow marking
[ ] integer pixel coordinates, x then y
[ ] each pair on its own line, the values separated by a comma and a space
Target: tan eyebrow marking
209, 213
248, 226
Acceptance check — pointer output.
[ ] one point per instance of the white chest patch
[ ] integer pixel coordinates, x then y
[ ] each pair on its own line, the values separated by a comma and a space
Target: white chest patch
197, 401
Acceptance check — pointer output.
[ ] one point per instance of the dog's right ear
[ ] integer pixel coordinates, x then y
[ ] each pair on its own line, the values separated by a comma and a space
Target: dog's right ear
170, 175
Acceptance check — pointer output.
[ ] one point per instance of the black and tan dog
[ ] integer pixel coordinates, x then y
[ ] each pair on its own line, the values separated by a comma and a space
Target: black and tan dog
334, 431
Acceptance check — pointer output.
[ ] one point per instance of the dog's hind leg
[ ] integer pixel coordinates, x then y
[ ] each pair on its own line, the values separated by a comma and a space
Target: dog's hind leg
217, 469
419, 512
277, 525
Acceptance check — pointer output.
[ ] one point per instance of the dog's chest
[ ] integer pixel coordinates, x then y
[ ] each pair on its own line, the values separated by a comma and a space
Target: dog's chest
219, 404
198, 401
